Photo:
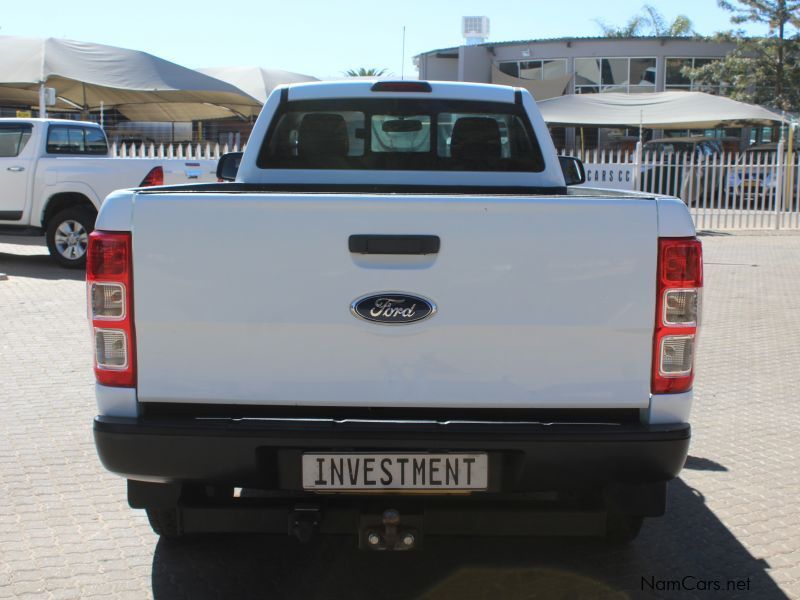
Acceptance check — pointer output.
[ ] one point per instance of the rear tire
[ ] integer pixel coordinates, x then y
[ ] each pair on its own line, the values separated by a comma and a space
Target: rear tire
67, 235
164, 522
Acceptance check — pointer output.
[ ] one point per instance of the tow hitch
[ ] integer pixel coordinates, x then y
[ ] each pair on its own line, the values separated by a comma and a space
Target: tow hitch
304, 522
391, 534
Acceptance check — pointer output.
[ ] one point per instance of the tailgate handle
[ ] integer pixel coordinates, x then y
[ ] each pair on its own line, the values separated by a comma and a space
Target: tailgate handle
394, 244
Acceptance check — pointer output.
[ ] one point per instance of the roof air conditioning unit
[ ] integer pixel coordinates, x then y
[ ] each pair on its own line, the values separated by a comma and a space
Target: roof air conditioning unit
475, 29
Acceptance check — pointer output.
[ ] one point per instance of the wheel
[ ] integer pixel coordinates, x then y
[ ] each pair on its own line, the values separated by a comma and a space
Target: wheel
67, 235
622, 528
164, 522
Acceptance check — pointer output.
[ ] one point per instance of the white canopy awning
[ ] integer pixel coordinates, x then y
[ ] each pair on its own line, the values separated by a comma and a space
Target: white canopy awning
663, 110
256, 81
139, 85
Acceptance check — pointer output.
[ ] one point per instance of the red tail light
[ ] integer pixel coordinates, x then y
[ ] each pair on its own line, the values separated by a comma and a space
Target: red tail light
679, 295
154, 177
109, 286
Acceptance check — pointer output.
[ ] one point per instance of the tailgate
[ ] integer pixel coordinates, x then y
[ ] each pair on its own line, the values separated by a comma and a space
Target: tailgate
542, 302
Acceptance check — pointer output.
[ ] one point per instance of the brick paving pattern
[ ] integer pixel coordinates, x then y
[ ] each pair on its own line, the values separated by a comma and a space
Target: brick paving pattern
66, 530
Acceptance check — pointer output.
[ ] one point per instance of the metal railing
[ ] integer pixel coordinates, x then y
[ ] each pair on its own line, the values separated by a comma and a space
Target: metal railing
732, 190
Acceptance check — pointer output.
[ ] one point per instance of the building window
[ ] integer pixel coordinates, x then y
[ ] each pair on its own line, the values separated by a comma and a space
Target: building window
675, 79
642, 75
594, 75
535, 69
509, 68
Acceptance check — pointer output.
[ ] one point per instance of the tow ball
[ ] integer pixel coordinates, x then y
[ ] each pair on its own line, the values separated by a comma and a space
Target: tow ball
392, 534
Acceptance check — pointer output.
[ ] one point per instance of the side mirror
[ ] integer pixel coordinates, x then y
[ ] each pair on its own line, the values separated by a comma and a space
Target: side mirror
574, 173
228, 166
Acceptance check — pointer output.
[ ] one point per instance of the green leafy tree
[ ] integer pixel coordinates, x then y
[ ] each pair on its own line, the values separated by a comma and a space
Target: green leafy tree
764, 69
649, 21
365, 72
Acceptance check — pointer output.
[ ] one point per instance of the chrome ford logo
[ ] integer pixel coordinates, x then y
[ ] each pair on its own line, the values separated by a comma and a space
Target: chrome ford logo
393, 308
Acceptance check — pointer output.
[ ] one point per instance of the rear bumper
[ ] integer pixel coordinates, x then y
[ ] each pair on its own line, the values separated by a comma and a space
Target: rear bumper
266, 453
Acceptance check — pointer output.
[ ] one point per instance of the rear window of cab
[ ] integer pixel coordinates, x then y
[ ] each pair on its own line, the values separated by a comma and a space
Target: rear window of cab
381, 134
74, 139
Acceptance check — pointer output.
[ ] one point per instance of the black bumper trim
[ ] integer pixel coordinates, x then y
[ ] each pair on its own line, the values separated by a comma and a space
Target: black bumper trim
265, 453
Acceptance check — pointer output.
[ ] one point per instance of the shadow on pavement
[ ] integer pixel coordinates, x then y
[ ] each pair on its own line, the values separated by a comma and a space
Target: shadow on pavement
36, 266
678, 555
703, 464
712, 233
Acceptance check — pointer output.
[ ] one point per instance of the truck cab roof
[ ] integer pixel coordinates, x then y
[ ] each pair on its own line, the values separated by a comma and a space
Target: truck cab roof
400, 89
40, 120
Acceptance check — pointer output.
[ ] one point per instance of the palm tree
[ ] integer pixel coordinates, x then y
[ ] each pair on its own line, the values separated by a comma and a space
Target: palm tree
680, 26
631, 29
649, 21
365, 72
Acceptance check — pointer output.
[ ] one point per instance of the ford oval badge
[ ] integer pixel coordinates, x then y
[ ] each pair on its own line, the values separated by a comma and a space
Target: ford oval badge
393, 308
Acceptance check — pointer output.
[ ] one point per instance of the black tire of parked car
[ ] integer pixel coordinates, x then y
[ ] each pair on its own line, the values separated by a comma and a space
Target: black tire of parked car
82, 215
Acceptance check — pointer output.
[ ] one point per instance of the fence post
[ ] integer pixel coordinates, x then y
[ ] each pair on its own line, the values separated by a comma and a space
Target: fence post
779, 174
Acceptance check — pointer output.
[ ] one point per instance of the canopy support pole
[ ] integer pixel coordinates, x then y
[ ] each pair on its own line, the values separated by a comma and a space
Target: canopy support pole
42, 103
85, 107
641, 119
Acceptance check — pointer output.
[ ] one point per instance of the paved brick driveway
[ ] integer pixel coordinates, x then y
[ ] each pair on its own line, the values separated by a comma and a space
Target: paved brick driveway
66, 531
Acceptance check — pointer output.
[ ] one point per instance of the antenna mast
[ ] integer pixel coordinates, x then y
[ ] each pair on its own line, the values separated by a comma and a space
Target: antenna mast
403, 60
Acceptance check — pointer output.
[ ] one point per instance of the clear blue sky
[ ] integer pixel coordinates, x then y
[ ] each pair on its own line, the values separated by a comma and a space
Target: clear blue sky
323, 38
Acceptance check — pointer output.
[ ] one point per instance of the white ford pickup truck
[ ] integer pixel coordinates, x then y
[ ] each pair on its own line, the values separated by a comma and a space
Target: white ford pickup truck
55, 173
398, 321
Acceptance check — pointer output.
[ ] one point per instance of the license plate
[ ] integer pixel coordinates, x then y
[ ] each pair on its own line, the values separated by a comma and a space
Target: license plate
411, 471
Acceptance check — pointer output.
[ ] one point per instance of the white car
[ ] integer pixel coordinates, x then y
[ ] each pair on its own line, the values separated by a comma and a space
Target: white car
55, 173
395, 323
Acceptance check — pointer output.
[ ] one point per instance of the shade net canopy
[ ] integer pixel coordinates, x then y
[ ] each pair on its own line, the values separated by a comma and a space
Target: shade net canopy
662, 110
256, 82
139, 85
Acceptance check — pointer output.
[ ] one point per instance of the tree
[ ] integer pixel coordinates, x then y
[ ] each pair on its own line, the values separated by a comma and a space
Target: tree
649, 21
760, 70
365, 72
632, 28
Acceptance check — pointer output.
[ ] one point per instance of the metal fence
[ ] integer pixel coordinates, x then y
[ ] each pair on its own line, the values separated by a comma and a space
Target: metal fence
178, 150
743, 190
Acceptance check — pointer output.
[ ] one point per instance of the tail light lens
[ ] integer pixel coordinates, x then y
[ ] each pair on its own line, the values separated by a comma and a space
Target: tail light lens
109, 283
679, 295
154, 177
402, 86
